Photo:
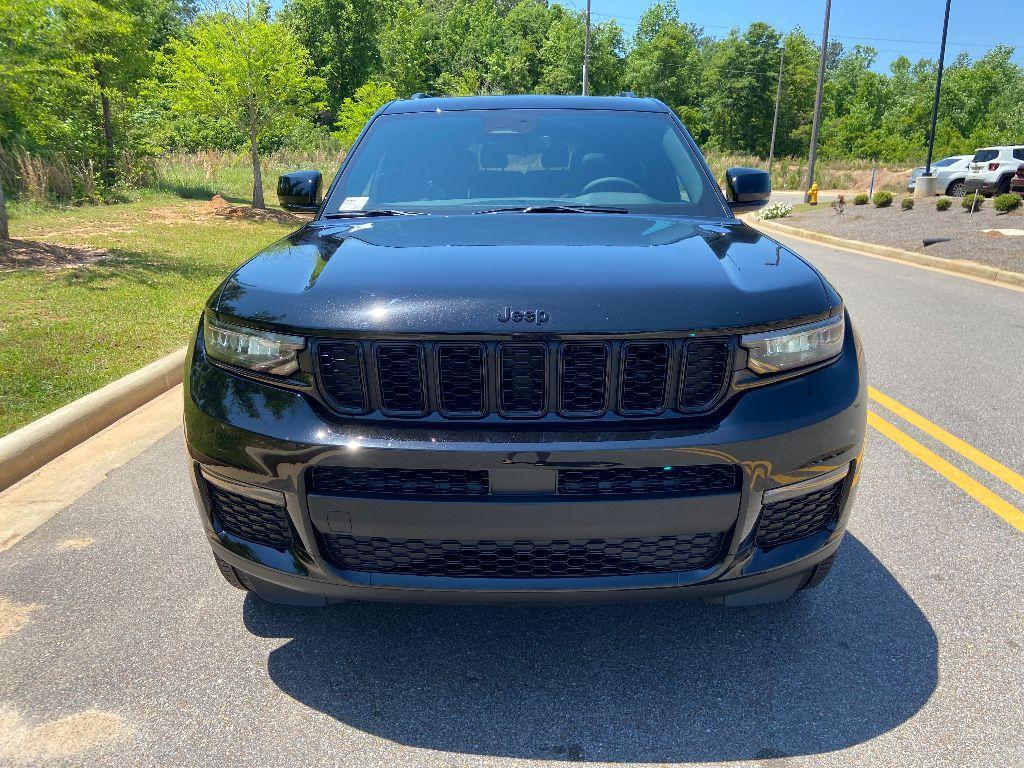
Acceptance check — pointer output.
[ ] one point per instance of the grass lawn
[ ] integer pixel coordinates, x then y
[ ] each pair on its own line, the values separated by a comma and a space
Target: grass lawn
66, 332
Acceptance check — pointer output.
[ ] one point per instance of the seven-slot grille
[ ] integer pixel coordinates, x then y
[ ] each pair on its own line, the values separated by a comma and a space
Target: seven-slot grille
524, 380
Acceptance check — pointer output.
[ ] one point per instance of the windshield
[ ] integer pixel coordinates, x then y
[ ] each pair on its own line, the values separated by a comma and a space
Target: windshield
479, 160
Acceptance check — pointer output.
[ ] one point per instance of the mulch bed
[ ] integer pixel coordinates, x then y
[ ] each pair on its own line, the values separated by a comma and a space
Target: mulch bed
908, 230
32, 254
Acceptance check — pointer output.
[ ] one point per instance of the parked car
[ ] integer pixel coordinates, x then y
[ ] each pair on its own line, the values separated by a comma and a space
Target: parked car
951, 173
992, 168
1017, 182
525, 351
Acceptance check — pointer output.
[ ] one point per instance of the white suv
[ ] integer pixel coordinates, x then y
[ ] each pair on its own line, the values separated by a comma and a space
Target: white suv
992, 168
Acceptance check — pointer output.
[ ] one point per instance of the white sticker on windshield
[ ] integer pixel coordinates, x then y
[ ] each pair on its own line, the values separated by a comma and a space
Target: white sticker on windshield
353, 203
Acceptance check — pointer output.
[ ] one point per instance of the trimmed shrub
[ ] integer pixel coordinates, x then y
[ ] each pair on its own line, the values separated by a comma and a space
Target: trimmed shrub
861, 199
943, 204
973, 202
882, 199
907, 204
1009, 202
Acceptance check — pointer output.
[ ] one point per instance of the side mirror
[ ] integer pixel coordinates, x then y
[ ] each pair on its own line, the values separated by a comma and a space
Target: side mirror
747, 189
300, 191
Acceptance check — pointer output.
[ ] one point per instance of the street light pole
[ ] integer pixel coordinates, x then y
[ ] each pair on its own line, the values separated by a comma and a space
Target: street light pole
586, 55
778, 100
938, 88
817, 102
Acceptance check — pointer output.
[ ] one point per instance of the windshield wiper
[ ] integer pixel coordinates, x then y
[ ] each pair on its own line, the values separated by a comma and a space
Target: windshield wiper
557, 209
369, 214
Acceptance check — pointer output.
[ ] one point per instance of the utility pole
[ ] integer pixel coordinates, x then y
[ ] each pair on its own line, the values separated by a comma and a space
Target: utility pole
938, 88
778, 99
586, 55
817, 101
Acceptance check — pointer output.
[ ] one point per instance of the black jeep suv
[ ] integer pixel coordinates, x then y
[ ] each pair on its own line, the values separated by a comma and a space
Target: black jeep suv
525, 350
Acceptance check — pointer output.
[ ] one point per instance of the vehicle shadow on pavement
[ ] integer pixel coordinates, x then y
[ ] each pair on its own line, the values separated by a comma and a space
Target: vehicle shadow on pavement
655, 682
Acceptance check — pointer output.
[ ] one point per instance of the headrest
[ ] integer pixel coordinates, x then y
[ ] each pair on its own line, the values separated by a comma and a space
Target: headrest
493, 157
555, 157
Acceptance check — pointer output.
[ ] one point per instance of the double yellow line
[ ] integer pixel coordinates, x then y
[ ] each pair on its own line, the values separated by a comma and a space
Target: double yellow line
961, 479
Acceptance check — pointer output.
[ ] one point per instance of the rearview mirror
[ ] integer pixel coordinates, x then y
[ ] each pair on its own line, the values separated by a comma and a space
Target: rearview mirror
300, 191
747, 189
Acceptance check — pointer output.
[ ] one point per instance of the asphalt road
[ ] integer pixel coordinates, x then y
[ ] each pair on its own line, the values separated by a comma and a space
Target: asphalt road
136, 652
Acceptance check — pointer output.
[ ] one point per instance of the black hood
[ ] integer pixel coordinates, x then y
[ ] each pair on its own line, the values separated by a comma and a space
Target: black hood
589, 273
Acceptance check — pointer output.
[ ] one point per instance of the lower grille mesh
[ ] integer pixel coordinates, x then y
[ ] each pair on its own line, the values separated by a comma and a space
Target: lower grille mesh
357, 481
251, 519
640, 481
524, 559
796, 518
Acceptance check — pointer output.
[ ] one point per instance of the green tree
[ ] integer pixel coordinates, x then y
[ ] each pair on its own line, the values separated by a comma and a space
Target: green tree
355, 111
742, 77
246, 71
562, 55
341, 39
664, 60
407, 45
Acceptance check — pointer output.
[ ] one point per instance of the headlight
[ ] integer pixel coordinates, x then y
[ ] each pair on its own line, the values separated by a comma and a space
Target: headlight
249, 348
794, 347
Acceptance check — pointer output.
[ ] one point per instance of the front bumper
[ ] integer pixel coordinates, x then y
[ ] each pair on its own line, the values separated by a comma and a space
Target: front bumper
246, 437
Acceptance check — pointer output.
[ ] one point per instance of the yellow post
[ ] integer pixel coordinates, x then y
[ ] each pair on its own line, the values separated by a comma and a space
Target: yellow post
812, 194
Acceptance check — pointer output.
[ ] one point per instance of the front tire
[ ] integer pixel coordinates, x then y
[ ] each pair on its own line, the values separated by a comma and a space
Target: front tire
231, 576
820, 571
1003, 186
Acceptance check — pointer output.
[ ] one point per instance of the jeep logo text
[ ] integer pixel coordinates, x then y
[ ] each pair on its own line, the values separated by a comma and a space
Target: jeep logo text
537, 316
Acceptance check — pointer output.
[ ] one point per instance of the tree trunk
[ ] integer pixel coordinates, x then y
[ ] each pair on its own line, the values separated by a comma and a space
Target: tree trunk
257, 174
5, 233
108, 139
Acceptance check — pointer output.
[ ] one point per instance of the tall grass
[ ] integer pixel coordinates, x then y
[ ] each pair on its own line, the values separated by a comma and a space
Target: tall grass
47, 180
201, 175
791, 172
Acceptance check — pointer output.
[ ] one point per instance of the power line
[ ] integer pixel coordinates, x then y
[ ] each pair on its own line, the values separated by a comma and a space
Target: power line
929, 43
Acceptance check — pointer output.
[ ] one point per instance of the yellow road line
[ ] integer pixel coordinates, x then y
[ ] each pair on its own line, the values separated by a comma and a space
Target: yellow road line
959, 478
966, 450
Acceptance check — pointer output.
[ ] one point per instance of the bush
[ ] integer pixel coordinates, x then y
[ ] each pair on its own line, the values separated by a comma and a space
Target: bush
907, 204
775, 211
943, 204
882, 199
1009, 202
861, 199
839, 204
973, 202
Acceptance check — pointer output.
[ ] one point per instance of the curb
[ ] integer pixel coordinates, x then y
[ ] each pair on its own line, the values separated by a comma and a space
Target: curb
25, 450
963, 266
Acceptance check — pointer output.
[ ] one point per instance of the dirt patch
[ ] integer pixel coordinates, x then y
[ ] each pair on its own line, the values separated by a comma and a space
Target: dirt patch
218, 206
34, 254
13, 616
65, 737
909, 229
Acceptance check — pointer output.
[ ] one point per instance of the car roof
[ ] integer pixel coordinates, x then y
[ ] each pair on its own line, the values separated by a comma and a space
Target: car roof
460, 103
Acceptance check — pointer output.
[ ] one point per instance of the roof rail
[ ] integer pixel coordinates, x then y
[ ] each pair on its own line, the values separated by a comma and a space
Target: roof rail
627, 94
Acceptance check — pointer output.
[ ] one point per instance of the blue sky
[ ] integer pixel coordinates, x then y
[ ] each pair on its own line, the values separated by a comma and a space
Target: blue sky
911, 27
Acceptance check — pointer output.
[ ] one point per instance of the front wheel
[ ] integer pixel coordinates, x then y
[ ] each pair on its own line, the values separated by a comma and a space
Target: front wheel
956, 189
1003, 186
820, 571
231, 576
